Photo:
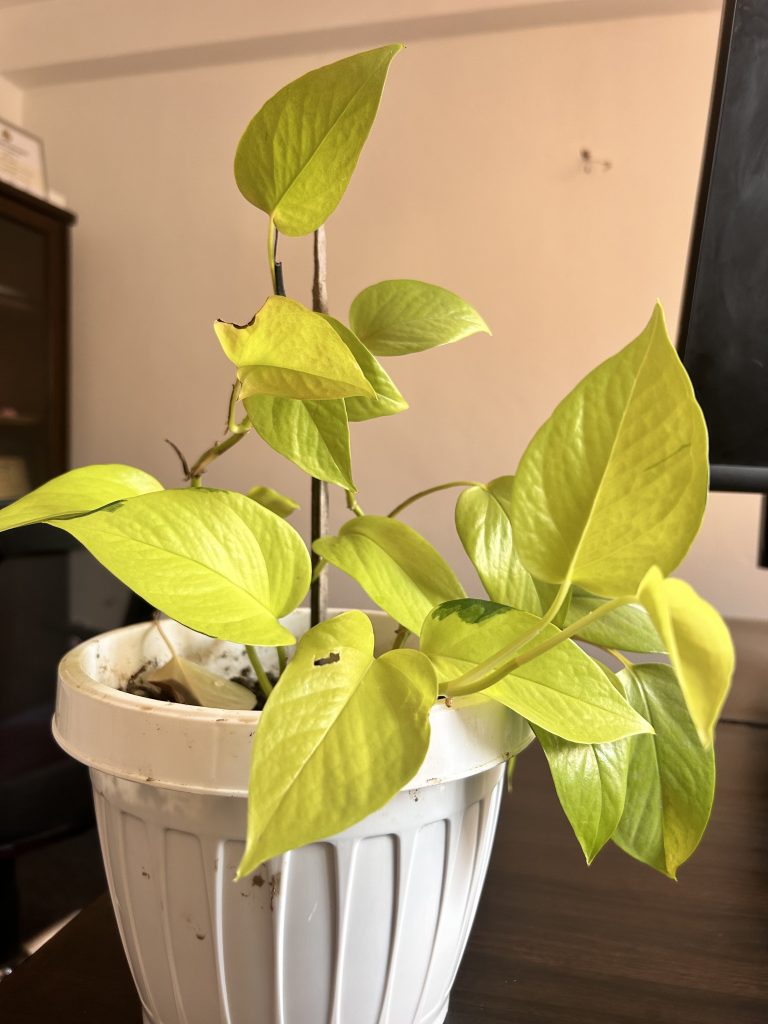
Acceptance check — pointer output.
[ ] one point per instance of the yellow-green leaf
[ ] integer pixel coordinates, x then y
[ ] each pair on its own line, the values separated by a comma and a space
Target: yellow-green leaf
394, 565
287, 351
395, 318
213, 560
388, 400
298, 153
483, 522
699, 646
616, 479
76, 493
671, 779
313, 435
563, 690
591, 784
273, 500
340, 735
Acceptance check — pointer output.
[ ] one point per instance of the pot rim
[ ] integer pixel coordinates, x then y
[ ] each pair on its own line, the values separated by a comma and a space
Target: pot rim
207, 750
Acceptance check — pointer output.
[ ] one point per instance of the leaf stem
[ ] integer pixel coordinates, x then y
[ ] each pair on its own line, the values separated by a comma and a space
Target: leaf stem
507, 660
352, 504
164, 635
258, 668
236, 428
619, 657
431, 490
271, 248
208, 456
401, 636
282, 659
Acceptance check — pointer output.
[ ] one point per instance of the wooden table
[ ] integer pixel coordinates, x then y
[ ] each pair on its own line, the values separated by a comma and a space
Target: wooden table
554, 942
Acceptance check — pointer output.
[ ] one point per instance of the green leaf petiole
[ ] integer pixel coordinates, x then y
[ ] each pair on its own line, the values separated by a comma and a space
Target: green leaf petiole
507, 660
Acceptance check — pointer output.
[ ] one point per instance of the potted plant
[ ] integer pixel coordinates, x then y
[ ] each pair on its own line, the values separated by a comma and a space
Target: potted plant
371, 758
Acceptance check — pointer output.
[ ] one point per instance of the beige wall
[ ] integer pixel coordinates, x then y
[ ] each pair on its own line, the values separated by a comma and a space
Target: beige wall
471, 180
11, 101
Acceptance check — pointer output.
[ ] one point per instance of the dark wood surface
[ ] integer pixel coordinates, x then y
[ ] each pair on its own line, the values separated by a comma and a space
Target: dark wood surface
554, 942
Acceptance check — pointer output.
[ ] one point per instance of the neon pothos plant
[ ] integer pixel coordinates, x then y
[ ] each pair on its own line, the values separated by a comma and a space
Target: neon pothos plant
577, 545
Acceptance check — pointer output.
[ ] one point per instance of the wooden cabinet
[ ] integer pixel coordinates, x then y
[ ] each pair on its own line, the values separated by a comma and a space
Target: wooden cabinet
34, 328
34, 316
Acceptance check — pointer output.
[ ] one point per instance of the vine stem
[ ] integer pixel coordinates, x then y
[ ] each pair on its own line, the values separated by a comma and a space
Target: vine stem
271, 247
318, 592
203, 462
507, 660
431, 490
258, 668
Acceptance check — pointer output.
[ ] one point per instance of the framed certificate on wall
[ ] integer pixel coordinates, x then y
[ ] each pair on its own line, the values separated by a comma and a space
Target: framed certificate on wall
22, 160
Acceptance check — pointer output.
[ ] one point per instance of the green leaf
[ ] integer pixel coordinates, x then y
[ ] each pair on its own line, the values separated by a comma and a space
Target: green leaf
395, 318
591, 784
671, 779
287, 351
339, 737
628, 628
273, 500
313, 435
388, 400
563, 690
699, 644
483, 522
298, 153
213, 560
76, 493
394, 565
616, 479
192, 684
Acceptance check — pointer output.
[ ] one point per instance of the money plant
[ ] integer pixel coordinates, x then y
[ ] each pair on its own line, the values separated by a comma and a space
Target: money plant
577, 545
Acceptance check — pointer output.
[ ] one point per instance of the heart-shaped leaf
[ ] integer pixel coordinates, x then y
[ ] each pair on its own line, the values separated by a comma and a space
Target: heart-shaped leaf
273, 500
394, 565
388, 400
76, 493
591, 784
699, 645
213, 560
287, 351
628, 628
395, 318
483, 522
671, 780
616, 479
564, 691
298, 153
313, 435
340, 735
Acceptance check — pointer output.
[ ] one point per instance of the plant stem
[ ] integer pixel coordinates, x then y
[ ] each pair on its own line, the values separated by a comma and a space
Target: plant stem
236, 428
352, 504
271, 248
401, 636
506, 660
282, 659
318, 593
203, 462
431, 490
258, 668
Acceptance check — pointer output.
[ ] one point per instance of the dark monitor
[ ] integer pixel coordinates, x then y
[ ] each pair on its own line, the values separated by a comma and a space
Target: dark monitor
723, 337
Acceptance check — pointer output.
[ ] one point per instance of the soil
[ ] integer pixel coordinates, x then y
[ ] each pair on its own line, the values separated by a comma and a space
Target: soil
174, 692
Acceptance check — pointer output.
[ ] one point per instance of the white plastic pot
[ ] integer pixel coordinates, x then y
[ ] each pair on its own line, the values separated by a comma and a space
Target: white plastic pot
367, 927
